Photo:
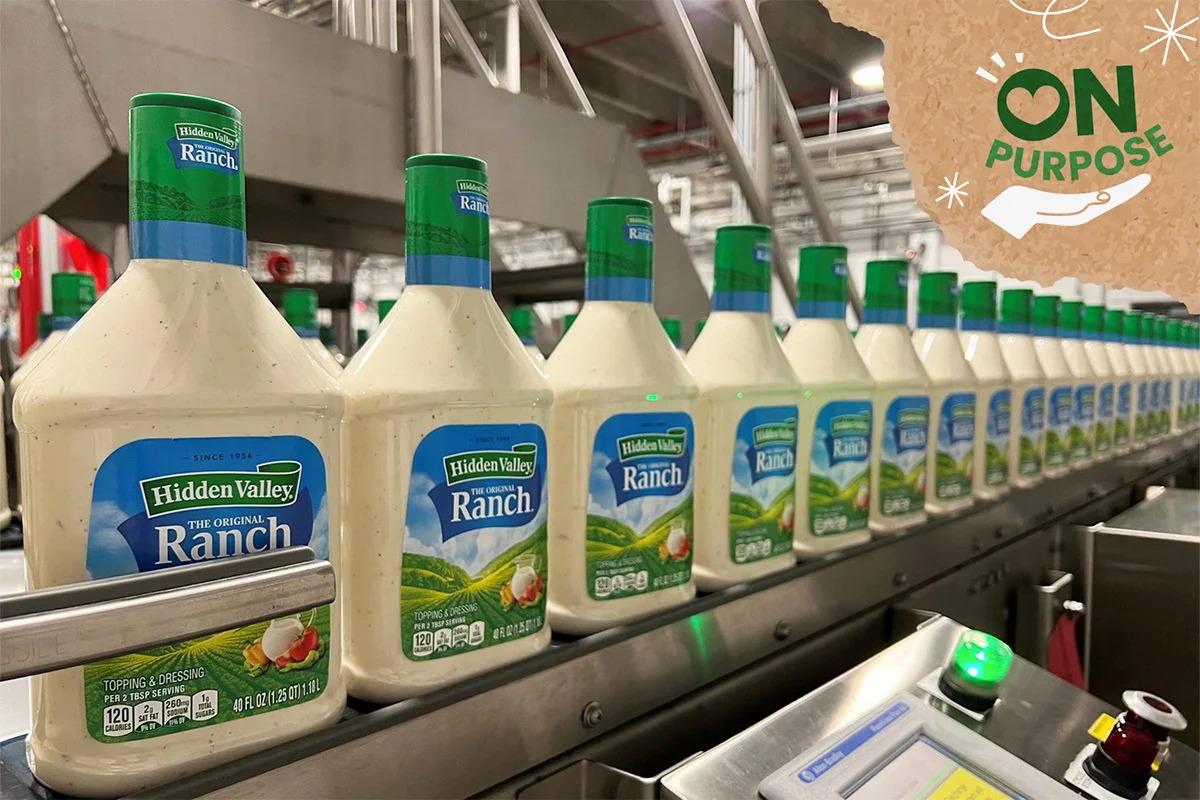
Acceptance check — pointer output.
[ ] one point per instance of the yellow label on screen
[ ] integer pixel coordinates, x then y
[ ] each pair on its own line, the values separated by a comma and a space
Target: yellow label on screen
964, 785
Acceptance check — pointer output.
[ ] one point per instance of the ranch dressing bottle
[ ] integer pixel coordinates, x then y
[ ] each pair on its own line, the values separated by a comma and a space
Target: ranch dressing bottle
522, 320
900, 425
1143, 421
951, 462
993, 408
745, 421
1081, 438
203, 430
622, 442
71, 295
446, 464
1123, 414
1060, 385
300, 311
1158, 376
1192, 353
1166, 383
833, 480
1106, 387
1028, 437
1178, 363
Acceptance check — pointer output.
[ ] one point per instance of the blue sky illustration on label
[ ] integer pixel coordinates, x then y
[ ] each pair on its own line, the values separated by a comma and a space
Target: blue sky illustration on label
841, 444
956, 424
906, 431
1033, 412
764, 452
470, 197
1084, 405
1104, 408
1059, 412
1143, 397
205, 147
473, 477
1124, 399
159, 503
641, 466
639, 229
999, 419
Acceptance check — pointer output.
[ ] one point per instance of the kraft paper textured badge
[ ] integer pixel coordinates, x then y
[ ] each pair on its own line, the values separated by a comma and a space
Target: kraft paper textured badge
1045, 135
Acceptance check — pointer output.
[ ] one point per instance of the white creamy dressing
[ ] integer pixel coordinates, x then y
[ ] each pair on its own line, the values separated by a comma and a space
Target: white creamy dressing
949, 375
616, 359
830, 370
1106, 395
1142, 390
35, 356
470, 370
323, 356
1122, 376
1028, 380
738, 365
536, 354
887, 352
174, 350
982, 351
1082, 418
1058, 380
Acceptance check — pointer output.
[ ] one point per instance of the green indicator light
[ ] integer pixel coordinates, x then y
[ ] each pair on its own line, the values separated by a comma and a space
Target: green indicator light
653, 398
16, 273
982, 660
740, 395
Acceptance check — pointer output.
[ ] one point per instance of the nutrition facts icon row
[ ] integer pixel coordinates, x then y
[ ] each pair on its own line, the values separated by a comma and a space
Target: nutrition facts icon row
427, 642
122, 720
629, 582
752, 550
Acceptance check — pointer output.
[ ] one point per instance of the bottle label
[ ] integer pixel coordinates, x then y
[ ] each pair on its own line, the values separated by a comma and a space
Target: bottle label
1105, 409
186, 187
999, 426
446, 219
839, 477
1167, 397
639, 512
902, 459
1083, 422
162, 503
956, 446
1141, 425
474, 568
1121, 421
1153, 413
762, 488
1033, 431
1058, 427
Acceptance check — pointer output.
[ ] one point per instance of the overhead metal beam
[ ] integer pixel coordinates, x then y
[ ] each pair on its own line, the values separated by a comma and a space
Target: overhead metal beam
464, 43
532, 14
687, 47
425, 45
747, 16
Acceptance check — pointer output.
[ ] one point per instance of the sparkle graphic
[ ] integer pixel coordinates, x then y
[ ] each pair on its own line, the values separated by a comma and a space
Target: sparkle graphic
1171, 34
952, 190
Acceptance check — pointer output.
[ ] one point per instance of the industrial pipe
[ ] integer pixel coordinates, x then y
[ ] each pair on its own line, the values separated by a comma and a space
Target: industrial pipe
464, 43
539, 26
425, 45
683, 39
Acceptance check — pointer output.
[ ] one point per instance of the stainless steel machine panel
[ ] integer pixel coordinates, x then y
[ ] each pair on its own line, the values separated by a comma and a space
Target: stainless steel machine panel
1040, 719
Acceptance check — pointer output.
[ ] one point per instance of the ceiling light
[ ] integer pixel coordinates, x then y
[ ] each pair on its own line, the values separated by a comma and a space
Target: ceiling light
868, 76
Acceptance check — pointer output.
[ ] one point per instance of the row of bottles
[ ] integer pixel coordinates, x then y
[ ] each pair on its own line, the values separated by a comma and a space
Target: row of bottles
469, 495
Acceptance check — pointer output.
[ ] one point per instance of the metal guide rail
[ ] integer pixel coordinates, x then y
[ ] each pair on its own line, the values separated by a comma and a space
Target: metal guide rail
472, 736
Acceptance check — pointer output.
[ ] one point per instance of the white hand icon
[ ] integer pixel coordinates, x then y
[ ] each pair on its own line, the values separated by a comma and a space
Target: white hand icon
1018, 208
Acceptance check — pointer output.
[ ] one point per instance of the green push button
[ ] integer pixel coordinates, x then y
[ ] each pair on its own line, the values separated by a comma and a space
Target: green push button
979, 665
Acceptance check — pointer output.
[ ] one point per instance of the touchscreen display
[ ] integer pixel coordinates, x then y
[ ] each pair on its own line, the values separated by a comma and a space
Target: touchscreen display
924, 771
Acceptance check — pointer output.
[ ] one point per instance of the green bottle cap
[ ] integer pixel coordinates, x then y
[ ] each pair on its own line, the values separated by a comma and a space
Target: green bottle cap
674, 329
1016, 307
1160, 329
71, 295
937, 300
1070, 319
361, 336
620, 249
886, 300
300, 310
1045, 315
1175, 332
521, 318
981, 660
45, 324
1093, 322
979, 306
568, 321
446, 216
187, 188
700, 325
382, 307
821, 282
742, 269
1114, 325
1133, 327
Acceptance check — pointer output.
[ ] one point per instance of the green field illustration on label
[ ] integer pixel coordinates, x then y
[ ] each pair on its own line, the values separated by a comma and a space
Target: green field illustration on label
621, 562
